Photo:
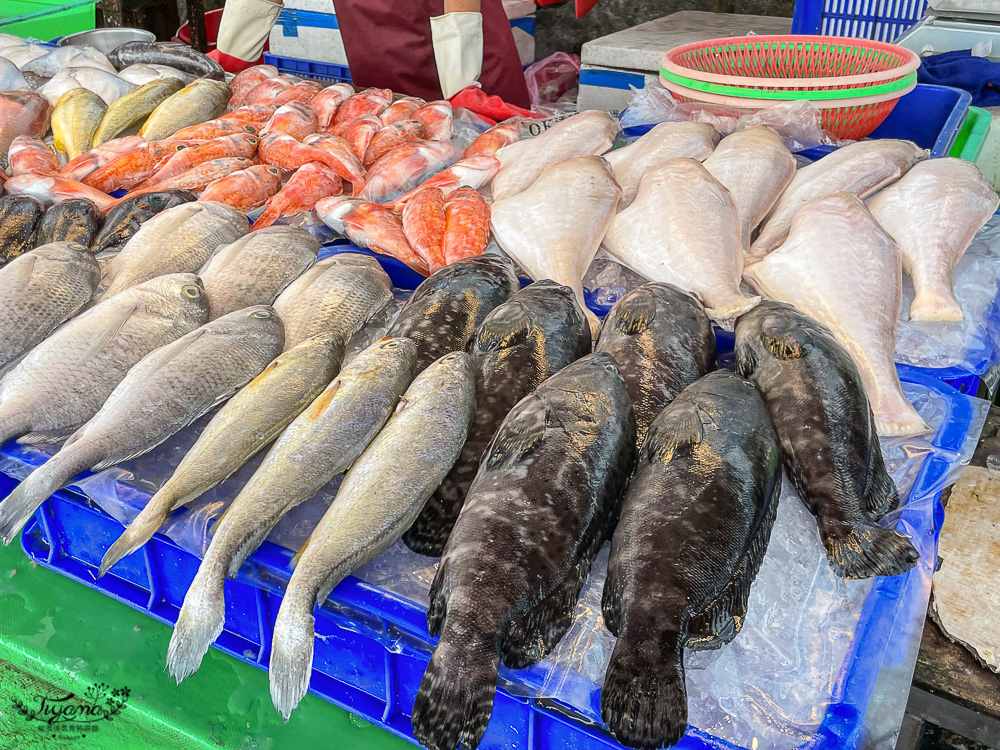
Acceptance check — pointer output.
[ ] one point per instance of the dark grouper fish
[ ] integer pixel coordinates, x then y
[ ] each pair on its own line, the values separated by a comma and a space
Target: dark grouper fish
663, 341
19, 218
443, 313
829, 443
693, 530
527, 339
547, 490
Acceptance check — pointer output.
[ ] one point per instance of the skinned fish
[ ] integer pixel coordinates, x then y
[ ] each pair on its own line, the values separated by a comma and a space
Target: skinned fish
140, 74
380, 496
933, 213
30, 155
497, 593
467, 225
246, 80
683, 229
663, 341
326, 102
106, 86
123, 221
573, 229
336, 296
177, 240
839, 267
179, 56
694, 528
860, 169
424, 223
21, 113
755, 167
75, 119
21, 53
321, 442
41, 289
70, 56
69, 221
827, 430
521, 343
254, 269
370, 226
51, 189
404, 167
201, 100
246, 424
443, 313
310, 183
588, 133
494, 139
244, 189
19, 218
11, 78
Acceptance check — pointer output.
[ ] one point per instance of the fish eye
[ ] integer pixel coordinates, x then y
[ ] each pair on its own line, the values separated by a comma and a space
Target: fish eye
191, 291
274, 170
260, 314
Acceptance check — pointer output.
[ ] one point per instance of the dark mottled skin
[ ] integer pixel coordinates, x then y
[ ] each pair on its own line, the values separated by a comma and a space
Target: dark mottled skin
536, 333
179, 56
443, 313
829, 442
70, 221
536, 515
693, 531
663, 341
124, 220
19, 217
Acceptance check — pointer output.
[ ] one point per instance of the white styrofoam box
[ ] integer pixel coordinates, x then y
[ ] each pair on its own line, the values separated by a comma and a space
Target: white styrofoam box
525, 45
607, 88
519, 8
934, 35
294, 35
642, 47
317, 6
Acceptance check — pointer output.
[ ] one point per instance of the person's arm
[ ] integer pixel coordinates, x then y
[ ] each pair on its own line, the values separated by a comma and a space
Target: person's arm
462, 6
458, 45
245, 27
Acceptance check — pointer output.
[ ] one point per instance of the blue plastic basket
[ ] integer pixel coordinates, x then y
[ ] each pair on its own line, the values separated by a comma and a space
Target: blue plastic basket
309, 68
881, 20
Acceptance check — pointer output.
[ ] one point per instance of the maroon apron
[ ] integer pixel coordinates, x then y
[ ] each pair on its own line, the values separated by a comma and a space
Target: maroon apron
388, 45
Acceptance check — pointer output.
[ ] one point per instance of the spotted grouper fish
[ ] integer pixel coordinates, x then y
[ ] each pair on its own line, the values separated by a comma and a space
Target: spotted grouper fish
539, 509
693, 531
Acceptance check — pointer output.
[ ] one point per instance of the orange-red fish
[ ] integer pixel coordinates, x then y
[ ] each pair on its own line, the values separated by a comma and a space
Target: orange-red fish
21, 113
295, 119
359, 133
246, 80
404, 167
326, 102
266, 91
401, 109
252, 113
90, 161
424, 225
230, 145
436, 117
310, 183
244, 189
300, 92
133, 167
52, 188
199, 176
494, 139
206, 131
390, 136
29, 154
474, 172
371, 226
467, 225
367, 102
350, 168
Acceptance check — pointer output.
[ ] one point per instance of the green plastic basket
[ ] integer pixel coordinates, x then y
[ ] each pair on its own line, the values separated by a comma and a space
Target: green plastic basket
972, 136
793, 94
46, 19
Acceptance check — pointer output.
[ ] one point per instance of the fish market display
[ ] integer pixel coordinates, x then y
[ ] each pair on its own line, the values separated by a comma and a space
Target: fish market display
200, 100
666, 141
132, 167
199, 177
70, 56
693, 531
383, 492
244, 189
28, 154
320, 443
246, 80
829, 443
254, 269
21, 113
474, 172
466, 225
401, 109
404, 167
106, 86
367, 102
139, 74
683, 229
39, 290
180, 239
166, 391
267, 90
521, 163
22, 53
755, 167
663, 341
387, 137
250, 113
123, 221
494, 139
286, 153
335, 297
51, 189
933, 212
529, 338
247, 423
437, 120
94, 158
573, 228
423, 224
444, 312
205, 131
860, 169
310, 183
240, 144
135, 107
75, 119
19, 218
839, 267
555, 471
326, 103
69, 221
295, 119
302, 91
178, 56
370, 226
361, 132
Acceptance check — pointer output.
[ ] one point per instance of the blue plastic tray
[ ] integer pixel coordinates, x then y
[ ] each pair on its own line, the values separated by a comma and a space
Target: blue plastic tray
881, 20
309, 68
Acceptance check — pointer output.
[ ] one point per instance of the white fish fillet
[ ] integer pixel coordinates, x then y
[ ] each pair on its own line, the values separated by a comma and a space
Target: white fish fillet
755, 167
590, 132
933, 213
11, 78
840, 267
107, 86
668, 140
554, 228
140, 74
859, 169
682, 229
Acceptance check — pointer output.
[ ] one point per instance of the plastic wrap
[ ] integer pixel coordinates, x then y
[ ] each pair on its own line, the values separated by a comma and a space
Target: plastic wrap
553, 84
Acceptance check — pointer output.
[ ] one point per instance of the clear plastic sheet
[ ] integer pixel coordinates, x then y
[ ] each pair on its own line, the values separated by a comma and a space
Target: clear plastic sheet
553, 84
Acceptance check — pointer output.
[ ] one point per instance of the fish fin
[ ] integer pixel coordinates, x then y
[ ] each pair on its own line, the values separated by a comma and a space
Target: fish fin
519, 434
687, 429
636, 316
291, 655
136, 534
611, 600
881, 493
322, 401
159, 358
53, 437
199, 623
779, 336
548, 621
110, 331
858, 550
295, 560
644, 699
22, 266
507, 326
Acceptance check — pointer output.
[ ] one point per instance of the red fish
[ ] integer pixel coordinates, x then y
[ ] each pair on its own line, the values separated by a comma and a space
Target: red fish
371, 226
424, 225
359, 133
250, 113
266, 91
52, 188
390, 136
295, 119
206, 131
401, 109
245, 189
467, 225
310, 183
29, 154
350, 165
404, 167
494, 139
300, 92
21, 113
475, 172
367, 102
230, 145
90, 161
198, 177
326, 102
436, 117
133, 167
246, 80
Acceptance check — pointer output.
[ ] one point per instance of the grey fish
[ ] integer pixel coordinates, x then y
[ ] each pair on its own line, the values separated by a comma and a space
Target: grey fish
41, 289
165, 392
254, 269
247, 423
19, 217
663, 341
64, 380
124, 220
527, 339
178, 240
336, 296
70, 56
443, 313
828, 437
377, 327
75, 220
693, 531
323, 441
179, 56
547, 492
381, 495
200, 101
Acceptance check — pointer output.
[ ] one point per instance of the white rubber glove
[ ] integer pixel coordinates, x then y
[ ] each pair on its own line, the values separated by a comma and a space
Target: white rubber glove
245, 27
458, 50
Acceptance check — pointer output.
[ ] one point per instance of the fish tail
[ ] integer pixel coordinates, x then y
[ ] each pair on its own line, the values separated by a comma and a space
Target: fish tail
644, 700
200, 622
455, 699
136, 534
936, 305
862, 550
726, 313
291, 653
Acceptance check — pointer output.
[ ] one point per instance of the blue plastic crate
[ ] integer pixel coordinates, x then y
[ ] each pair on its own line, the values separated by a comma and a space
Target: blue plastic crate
881, 20
309, 68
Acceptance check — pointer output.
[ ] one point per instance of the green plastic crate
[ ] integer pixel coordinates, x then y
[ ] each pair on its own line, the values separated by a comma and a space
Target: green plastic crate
972, 136
46, 19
